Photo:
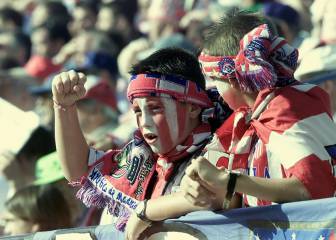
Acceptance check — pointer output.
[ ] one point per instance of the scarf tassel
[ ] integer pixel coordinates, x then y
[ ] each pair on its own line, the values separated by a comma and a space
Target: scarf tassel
92, 196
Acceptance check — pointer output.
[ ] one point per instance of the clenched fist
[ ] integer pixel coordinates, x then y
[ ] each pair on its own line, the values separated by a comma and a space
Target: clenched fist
68, 87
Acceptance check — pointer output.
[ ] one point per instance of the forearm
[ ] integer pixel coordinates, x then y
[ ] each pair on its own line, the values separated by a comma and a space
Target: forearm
71, 146
274, 190
169, 206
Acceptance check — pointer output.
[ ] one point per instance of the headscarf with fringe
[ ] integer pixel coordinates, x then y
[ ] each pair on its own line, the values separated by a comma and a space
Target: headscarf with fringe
263, 61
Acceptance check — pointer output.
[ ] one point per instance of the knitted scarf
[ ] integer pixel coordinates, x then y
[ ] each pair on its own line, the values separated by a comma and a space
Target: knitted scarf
120, 179
263, 61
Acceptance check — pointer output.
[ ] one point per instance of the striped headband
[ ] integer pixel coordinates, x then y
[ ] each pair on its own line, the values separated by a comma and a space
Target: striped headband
158, 85
263, 61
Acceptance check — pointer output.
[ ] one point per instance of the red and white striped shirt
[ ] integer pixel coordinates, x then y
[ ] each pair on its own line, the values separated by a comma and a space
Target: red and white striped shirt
289, 132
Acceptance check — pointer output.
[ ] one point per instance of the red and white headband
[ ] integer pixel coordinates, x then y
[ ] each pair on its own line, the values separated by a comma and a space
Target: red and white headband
158, 85
263, 61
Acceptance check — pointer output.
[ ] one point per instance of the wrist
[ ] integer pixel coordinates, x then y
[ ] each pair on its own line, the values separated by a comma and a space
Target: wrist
231, 177
62, 106
140, 211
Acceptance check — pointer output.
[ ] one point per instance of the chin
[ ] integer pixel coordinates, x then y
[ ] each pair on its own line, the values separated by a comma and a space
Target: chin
158, 150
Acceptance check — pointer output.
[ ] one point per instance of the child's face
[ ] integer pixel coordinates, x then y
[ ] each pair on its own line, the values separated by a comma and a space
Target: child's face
162, 122
231, 94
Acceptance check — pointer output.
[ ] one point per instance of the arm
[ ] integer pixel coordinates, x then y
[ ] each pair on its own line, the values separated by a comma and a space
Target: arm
176, 205
169, 206
216, 180
274, 190
71, 146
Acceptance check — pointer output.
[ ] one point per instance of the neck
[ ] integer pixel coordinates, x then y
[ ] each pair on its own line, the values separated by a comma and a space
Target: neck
250, 98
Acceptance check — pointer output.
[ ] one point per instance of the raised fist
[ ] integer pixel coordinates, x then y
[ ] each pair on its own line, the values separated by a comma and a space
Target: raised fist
68, 87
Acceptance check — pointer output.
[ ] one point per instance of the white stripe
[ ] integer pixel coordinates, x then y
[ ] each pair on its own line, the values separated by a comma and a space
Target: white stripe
275, 42
94, 156
261, 107
252, 201
306, 137
244, 145
167, 85
304, 87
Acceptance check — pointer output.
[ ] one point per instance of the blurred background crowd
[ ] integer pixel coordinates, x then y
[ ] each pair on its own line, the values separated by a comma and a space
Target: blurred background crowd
40, 38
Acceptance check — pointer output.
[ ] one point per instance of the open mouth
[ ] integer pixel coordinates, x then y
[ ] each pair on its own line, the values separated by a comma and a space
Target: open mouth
150, 137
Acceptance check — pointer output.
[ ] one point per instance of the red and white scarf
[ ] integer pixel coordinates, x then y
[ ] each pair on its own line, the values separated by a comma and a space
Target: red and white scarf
120, 178
281, 137
263, 61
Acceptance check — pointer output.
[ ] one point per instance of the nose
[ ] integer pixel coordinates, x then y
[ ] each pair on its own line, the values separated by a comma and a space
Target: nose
146, 119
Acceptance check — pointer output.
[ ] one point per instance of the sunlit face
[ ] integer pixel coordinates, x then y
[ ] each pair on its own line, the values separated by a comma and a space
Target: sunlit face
106, 20
162, 122
231, 95
15, 225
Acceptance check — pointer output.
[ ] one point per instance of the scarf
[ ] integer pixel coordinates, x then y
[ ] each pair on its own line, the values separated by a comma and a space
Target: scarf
263, 61
120, 179
280, 138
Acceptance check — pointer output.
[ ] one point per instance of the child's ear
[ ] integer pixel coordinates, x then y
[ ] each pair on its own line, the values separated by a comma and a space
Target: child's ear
195, 111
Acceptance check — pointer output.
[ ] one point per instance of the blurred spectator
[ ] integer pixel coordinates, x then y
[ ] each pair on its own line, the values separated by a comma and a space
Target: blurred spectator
176, 40
10, 19
324, 20
84, 17
98, 114
303, 8
14, 88
27, 142
319, 67
117, 17
163, 17
36, 208
46, 9
7, 63
48, 171
91, 52
47, 39
44, 105
16, 46
287, 18
196, 23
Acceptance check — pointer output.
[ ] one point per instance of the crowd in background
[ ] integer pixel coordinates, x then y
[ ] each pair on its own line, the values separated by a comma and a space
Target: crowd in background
103, 39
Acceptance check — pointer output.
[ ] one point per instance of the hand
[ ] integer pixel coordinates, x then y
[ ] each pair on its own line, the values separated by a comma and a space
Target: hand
202, 180
197, 194
135, 226
68, 87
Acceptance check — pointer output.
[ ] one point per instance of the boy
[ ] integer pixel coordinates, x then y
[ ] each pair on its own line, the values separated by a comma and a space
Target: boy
167, 92
281, 135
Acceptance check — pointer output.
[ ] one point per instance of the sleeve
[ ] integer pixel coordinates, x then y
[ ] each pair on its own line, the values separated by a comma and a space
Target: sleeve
94, 156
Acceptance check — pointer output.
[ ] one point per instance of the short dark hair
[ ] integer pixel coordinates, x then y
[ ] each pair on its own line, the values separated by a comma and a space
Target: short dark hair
127, 9
224, 36
10, 14
40, 143
172, 61
23, 40
41, 204
56, 9
56, 29
89, 5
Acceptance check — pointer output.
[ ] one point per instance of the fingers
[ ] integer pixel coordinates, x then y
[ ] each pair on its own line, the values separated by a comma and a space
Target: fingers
74, 78
65, 78
195, 193
68, 87
57, 85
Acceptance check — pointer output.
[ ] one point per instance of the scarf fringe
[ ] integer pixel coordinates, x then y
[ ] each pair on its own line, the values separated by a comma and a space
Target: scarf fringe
92, 196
